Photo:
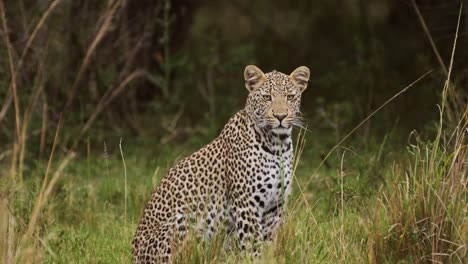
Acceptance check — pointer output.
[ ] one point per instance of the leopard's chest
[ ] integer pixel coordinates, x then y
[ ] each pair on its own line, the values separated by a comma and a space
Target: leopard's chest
271, 185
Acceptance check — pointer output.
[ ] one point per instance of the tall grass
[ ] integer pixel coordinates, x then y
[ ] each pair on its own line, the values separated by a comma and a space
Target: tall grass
21, 240
423, 207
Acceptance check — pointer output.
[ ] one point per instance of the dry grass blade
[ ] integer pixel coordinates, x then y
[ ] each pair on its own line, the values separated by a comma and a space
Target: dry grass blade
57, 174
14, 72
43, 128
299, 148
38, 205
342, 229
446, 87
450, 86
97, 39
125, 181
10, 225
26, 118
41, 202
429, 37
4, 228
105, 100
453, 53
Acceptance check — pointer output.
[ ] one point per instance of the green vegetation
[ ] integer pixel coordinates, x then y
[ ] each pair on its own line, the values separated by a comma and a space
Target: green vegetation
416, 214
98, 99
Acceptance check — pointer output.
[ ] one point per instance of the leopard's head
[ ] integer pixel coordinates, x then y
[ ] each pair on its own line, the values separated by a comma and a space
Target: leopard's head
274, 98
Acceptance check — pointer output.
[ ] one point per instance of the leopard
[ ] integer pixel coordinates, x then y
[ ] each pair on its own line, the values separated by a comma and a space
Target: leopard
240, 181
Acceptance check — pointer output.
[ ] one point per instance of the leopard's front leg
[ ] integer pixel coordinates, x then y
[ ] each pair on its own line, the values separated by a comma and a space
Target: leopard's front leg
272, 220
247, 224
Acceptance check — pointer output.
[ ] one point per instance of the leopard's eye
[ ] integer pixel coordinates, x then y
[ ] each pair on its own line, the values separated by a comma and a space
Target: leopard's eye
267, 97
290, 97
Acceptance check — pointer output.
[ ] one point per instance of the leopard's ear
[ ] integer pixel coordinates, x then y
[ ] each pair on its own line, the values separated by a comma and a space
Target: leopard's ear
300, 77
254, 77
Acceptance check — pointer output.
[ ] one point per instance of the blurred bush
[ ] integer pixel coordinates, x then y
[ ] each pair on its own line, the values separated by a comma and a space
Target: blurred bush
159, 66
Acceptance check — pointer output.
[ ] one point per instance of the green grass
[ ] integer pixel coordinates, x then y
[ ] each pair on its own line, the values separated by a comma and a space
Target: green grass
346, 215
377, 203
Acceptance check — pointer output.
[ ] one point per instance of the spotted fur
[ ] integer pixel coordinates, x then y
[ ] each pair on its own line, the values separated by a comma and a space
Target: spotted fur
239, 181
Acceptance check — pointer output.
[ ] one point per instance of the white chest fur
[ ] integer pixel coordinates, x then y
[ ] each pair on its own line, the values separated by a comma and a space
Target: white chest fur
273, 179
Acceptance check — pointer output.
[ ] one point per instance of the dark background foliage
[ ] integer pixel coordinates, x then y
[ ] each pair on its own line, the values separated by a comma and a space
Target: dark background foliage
165, 70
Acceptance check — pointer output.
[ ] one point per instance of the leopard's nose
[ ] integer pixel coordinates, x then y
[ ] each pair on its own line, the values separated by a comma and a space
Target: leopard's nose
280, 117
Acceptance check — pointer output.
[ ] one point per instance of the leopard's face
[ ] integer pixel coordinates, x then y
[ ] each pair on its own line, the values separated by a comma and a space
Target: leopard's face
275, 98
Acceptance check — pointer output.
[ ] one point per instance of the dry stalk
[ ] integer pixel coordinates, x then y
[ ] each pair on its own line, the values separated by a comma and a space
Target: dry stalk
44, 127
14, 92
125, 181
14, 73
429, 37
112, 9
105, 100
17, 145
342, 231
446, 88
38, 205
26, 118
300, 144
41, 202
